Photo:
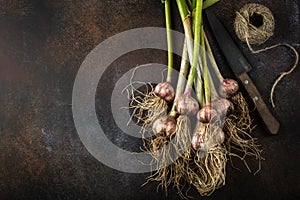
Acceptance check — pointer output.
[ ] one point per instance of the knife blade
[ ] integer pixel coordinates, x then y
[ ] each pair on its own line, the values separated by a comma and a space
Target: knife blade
240, 66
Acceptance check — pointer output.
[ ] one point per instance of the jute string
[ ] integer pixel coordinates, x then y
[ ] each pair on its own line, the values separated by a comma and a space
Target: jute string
251, 34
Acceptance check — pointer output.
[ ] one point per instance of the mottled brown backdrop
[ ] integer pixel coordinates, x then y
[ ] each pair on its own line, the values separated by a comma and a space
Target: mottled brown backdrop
42, 45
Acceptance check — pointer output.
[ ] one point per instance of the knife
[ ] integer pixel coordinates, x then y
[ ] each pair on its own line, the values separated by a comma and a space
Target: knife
240, 66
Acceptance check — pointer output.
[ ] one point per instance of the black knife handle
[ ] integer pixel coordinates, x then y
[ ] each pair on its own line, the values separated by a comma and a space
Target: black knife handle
269, 120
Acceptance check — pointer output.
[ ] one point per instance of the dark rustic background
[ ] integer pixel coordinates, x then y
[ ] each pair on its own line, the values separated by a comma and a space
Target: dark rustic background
42, 45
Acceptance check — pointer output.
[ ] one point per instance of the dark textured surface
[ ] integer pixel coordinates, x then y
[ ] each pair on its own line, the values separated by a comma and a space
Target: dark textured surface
42, 45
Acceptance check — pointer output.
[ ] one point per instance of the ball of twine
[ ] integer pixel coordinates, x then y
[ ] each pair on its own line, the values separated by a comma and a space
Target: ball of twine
258, 34
246, 30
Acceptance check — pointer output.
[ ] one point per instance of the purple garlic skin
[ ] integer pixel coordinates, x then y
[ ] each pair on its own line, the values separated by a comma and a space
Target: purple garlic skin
217, 138
215, 110
228, 88
164, 126
165, 91
186, 105
198, 140
206, 114
203, 140
222, 106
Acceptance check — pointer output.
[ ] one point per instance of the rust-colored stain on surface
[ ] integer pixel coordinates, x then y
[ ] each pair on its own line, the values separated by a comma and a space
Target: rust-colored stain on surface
42, 45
